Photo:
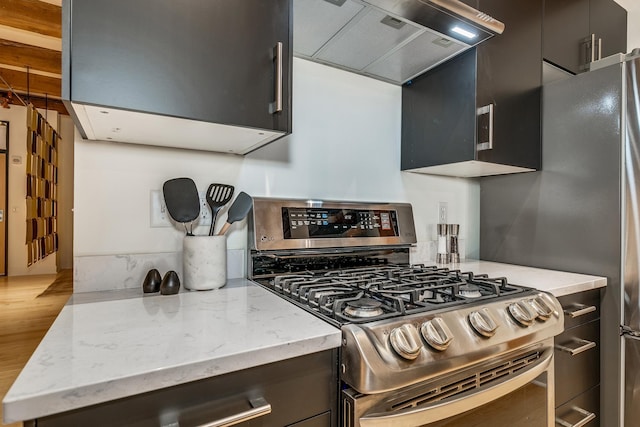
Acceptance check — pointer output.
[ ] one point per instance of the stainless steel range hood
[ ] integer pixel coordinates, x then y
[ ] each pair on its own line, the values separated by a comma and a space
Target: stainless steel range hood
391, 40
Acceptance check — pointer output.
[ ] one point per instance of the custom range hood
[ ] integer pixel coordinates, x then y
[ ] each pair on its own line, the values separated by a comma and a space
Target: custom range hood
390, 40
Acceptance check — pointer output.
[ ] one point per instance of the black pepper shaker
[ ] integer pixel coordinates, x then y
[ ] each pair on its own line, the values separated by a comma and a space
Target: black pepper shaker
454, 254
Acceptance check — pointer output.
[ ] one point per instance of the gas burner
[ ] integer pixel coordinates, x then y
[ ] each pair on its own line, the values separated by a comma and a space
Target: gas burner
373, 293
363, 307
469, 290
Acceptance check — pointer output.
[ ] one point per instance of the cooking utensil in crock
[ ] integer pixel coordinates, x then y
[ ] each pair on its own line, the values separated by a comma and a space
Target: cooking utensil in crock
237, 211
182, 200
218, 195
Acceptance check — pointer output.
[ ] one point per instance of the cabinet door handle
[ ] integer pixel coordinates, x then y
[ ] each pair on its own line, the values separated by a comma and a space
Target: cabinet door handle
588, 49
259, 408
580, 310
276, 106
586, 345
588, 417
599, 48
482, 144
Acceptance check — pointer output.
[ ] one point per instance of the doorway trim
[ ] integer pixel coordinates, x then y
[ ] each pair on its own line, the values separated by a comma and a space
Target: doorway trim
5, 216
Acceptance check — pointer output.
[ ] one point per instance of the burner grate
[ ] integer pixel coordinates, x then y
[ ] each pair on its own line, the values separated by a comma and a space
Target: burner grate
399, 290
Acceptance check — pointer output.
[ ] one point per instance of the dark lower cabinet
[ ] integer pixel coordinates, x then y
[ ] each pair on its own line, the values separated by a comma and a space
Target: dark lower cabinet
302, 392
583, 410
577, 361
578, 370
479, 113
226, 62
577, 32
322, 420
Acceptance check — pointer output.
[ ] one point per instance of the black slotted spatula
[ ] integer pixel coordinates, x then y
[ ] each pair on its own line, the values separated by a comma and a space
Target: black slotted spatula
182, 200
218, 195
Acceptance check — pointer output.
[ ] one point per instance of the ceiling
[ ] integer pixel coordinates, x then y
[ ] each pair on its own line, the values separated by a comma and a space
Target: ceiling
30, 51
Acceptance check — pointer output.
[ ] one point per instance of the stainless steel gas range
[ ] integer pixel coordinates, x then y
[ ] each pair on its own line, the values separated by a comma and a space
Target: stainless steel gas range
422, 345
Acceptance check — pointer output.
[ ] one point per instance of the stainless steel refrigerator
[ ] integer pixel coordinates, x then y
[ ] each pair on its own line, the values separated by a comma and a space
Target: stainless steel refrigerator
581, 213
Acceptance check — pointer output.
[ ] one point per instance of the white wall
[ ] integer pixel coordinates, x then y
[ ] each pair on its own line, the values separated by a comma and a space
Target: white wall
16, 207
633, 22
345, 145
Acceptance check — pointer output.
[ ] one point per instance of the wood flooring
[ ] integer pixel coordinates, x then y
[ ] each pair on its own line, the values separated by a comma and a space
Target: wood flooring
28, 307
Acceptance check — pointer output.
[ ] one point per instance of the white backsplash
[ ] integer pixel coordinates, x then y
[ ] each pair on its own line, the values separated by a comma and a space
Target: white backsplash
109, 272
425, 252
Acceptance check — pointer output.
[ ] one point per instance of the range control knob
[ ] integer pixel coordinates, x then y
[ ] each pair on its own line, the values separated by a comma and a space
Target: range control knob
522, 313
436, 333
541, 308
483, 323
406, 342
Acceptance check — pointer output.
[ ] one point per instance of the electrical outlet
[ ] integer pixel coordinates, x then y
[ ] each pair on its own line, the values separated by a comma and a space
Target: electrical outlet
442, 212
205, 211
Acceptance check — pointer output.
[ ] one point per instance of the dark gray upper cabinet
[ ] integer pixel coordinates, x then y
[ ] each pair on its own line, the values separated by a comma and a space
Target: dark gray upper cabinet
479, 113
608, 21
195, 74
579, 31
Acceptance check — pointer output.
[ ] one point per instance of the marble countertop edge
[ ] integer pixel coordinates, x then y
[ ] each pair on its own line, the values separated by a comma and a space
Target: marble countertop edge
20, 408
579, 287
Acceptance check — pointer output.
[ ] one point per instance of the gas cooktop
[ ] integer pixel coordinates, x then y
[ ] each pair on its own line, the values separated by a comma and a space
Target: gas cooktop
368, 294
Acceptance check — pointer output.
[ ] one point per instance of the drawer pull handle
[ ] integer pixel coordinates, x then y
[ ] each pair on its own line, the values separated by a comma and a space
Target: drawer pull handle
586, 345
588, 417
259, 407
580, 310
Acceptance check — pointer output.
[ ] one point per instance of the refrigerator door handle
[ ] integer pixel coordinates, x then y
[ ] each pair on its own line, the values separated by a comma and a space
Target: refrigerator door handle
629, 333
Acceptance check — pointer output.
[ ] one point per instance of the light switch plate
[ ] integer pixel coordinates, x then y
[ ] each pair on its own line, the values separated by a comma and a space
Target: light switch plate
159, 217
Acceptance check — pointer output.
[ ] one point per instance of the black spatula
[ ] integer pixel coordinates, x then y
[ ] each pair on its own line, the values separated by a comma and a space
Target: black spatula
218, 195
182, 200
237, 211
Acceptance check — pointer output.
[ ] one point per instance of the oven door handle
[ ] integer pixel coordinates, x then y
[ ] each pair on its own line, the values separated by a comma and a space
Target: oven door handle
461, 403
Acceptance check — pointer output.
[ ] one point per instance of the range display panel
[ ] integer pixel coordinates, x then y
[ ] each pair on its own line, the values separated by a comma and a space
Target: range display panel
323, 223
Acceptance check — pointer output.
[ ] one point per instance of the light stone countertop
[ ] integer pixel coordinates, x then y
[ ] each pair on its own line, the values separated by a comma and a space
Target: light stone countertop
109, 345
558, 283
